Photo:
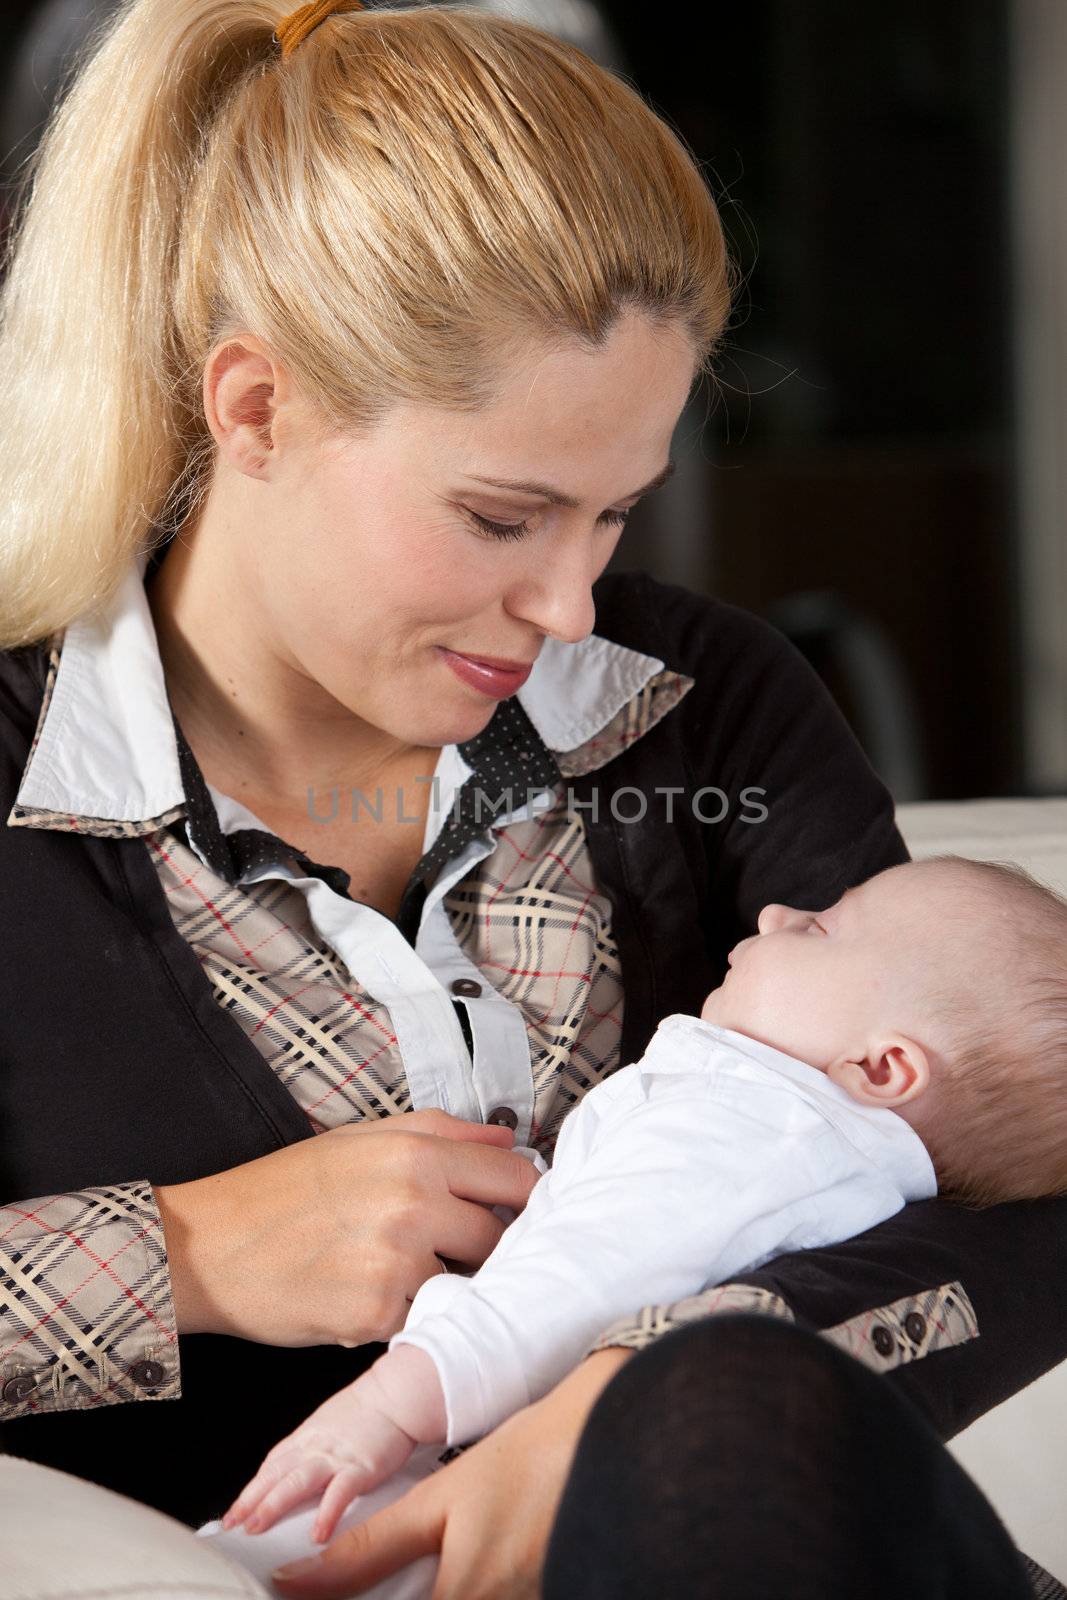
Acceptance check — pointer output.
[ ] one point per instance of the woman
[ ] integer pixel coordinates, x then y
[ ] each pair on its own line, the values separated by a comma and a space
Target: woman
310, 319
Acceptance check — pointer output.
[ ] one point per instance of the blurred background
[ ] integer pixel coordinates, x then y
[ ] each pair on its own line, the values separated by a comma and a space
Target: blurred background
881, 467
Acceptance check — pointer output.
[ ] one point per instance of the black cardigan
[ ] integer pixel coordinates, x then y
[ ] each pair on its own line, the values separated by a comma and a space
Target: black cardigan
116, 1062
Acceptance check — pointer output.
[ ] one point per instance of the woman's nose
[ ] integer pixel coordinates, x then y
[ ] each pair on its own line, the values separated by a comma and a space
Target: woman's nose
556, 597
558, 613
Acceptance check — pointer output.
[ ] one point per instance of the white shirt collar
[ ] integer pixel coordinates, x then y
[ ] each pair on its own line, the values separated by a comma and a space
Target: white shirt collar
107, 746
868, 1127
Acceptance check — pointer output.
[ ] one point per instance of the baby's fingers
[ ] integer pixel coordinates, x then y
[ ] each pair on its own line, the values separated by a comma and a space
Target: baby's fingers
300, 1483
271, 1470
346, 1485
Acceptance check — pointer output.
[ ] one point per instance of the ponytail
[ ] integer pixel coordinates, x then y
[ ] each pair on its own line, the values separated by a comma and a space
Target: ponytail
390, 208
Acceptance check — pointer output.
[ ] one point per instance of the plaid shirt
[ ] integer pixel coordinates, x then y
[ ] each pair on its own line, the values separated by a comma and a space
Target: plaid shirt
353, 1012
341, 1001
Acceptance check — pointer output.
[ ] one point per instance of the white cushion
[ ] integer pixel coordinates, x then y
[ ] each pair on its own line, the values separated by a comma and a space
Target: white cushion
1032, 833
65, 1539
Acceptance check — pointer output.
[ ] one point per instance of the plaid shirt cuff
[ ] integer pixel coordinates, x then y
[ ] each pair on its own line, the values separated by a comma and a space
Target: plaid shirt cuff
635, 1332
86, 1316
882, 1338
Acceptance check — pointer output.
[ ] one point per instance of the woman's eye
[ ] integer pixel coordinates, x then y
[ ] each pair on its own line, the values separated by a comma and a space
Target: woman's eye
501, 530
519, 530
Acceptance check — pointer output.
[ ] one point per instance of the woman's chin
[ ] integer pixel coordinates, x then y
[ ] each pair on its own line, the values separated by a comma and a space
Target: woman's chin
433, 725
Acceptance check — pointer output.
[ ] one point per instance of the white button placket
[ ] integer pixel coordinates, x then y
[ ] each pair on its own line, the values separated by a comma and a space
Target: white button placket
414, 983
382, 962
502, 1069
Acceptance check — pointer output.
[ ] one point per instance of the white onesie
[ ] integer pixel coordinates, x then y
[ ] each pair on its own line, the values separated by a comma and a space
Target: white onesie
702, 1160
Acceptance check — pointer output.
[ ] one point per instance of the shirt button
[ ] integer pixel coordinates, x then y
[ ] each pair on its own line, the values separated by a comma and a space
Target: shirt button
882, 1340
915, 1326
147, 1374
466, 987
17, 1389
502, 1117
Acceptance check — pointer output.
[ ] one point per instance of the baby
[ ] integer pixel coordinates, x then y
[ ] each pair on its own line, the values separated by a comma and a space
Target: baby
910, 1039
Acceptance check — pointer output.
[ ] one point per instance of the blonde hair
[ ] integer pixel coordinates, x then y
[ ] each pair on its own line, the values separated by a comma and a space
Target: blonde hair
393, 209
996, 1124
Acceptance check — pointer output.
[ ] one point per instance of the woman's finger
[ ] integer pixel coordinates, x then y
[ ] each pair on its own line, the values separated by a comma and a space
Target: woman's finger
362, 1556
464, 1231
490, 1176
445, 1126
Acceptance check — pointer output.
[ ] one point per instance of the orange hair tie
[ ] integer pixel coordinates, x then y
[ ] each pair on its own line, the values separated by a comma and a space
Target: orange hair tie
294, 29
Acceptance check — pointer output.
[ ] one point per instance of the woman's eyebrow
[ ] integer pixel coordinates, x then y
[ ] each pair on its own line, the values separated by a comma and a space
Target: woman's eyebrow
556, 497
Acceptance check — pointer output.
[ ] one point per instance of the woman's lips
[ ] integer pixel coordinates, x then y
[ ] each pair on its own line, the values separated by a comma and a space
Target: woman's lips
493, 677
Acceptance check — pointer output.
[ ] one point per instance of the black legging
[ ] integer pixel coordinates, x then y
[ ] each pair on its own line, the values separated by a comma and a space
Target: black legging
742, 1457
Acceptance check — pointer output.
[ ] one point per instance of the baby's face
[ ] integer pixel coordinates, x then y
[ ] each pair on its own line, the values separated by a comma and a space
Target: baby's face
822, 984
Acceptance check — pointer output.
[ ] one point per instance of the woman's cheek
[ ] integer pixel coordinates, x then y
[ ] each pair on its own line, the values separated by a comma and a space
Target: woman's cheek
455, 573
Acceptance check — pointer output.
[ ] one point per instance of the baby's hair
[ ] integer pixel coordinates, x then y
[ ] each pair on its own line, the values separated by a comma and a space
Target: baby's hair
999, 1131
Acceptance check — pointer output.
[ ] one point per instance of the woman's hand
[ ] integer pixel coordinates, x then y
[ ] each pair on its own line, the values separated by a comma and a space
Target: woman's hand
488, 1514
328, 1240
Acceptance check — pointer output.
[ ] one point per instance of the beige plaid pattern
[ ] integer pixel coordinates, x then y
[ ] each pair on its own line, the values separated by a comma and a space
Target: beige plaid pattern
634, 1333
85, 1306
330, 1044
883, 1338
529, 916
908, 1329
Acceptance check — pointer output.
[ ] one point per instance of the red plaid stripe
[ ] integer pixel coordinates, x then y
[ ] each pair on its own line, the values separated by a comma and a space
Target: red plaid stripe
331, 1045
85, 1297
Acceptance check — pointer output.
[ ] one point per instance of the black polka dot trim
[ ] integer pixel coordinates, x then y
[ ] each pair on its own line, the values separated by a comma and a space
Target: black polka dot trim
508, 759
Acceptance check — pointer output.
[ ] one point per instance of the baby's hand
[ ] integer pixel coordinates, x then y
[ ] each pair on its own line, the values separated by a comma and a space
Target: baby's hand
349, 1445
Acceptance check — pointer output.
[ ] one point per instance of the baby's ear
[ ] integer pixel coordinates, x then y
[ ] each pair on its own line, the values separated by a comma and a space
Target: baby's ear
893, 1070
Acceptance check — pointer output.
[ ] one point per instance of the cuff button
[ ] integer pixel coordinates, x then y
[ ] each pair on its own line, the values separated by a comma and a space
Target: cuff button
882, 1340
18, 1389
915, 1326
147, 1374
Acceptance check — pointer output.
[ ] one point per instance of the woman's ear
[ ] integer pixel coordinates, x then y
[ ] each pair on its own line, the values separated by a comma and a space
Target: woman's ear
242, 390
892, 1071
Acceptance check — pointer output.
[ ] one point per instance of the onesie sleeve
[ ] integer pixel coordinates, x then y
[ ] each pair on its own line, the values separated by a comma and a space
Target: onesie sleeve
86, 1315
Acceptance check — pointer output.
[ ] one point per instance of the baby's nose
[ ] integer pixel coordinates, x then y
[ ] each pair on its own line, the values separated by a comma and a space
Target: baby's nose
773, 917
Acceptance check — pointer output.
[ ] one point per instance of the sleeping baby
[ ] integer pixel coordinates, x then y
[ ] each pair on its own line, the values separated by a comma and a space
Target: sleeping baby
910, 1039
